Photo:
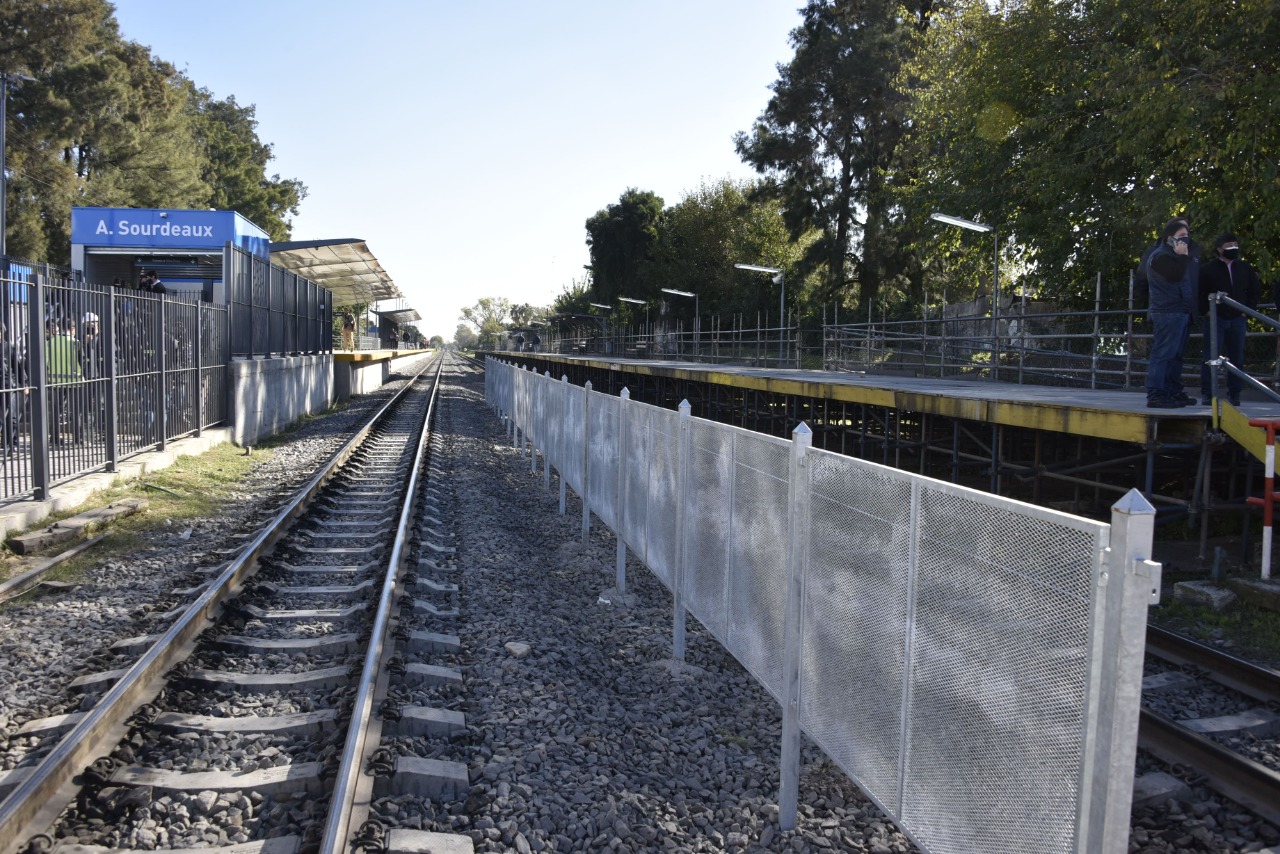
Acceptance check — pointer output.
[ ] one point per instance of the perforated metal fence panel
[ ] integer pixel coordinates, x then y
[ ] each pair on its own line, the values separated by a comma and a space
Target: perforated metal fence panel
635, 485
602, 448
947, 638
663, 497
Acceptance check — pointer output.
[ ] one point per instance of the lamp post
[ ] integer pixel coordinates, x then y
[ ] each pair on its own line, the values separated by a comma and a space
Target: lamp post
5, 77
995, 280
635, 301
697, 344
779, 278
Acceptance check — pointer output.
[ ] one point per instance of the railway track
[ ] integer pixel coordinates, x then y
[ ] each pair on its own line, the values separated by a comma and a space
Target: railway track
1218, 716
255, 719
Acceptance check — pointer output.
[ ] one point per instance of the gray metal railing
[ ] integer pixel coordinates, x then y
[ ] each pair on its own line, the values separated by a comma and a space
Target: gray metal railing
91, 375
1087, 349
960, 655
275, 312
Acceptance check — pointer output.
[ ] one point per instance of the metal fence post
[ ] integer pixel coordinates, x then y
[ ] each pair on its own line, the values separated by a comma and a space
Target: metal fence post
532, 381
1128, 583
797, 559
546, 447
112, 427
40, 475
564, 433
586, 460
682, 534
162, 405
620, 493
200, 416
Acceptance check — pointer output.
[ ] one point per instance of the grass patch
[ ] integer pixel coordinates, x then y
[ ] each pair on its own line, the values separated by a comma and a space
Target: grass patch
1250, 632
194, 487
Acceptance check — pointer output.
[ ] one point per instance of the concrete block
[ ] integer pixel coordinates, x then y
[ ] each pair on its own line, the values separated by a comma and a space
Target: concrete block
1204, 593
402, 841
1158, 787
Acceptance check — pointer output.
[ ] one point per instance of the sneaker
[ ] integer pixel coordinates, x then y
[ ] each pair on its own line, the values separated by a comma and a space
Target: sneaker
1164, 403
1185, 399
1233, 399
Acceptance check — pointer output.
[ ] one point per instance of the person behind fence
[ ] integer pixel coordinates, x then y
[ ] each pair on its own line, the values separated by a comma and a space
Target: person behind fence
1172, 272
13, 379
1227, 274
62, 369
536, 343
93, 367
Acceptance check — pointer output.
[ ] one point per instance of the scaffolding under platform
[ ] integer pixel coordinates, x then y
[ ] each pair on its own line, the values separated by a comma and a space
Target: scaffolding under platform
1075, 450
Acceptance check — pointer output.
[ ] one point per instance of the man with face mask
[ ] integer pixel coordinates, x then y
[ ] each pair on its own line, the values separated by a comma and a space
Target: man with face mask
1227, 274
1171, 269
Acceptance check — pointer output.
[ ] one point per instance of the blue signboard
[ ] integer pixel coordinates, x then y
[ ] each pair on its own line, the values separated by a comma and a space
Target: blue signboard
166, 230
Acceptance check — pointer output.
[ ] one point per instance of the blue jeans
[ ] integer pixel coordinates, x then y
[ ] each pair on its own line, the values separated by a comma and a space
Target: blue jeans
1231, 332
1170, 331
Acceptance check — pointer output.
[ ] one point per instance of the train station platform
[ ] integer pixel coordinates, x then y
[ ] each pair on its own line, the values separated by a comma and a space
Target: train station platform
358, 372
1071, 448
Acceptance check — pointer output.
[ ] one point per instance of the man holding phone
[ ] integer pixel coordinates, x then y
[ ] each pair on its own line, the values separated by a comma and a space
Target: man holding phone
1172, 271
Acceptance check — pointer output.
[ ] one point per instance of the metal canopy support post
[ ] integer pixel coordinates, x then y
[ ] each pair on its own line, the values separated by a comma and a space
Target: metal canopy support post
793, 624
1127, 582
682, 535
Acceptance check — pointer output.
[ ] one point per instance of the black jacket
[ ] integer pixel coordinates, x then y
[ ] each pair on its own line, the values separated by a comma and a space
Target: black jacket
1241, 284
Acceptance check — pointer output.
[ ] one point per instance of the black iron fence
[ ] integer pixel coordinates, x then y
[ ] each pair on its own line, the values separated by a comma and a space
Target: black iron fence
274, 311
91, 375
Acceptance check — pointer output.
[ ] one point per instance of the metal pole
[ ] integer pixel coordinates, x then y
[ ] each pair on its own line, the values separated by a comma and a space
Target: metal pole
995, 308
4, 187
678, 628
793, 624
782, 316
620, 495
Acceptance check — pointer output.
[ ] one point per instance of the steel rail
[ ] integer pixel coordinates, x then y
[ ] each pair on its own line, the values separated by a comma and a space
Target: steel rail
1245, 781
342, 803
1261, 683
37, 801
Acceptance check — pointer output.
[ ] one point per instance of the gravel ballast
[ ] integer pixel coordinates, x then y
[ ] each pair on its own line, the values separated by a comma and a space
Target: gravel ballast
590, 741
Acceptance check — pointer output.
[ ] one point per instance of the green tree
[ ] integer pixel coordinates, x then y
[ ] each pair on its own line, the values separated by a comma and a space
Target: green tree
828, 138
465, 338
489, 317
1078, 129
236, 165
621, 238
711, 229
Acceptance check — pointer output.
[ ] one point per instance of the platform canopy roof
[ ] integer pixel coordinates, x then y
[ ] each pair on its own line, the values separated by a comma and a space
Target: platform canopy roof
401, 315
344, 266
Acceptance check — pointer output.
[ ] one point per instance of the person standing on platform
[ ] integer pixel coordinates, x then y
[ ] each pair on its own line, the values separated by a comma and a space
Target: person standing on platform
348, 330
1227, 274
1172, 272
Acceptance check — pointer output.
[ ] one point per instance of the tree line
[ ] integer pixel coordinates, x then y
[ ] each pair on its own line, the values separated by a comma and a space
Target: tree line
104, 121
1073, 129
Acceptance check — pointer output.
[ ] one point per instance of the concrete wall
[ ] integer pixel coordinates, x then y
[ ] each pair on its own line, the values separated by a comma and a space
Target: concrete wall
270, 394
356, 378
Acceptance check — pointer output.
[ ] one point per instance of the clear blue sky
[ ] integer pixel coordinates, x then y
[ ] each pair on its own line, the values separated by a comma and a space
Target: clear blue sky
468, 143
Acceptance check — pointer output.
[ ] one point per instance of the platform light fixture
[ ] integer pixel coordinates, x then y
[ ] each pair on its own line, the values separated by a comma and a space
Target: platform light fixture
778, 278
969, 224
635, 301
984, 228
697, 320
